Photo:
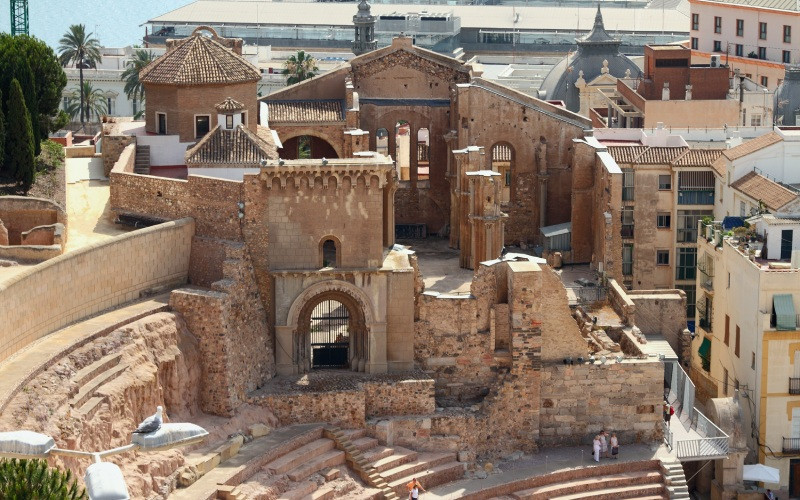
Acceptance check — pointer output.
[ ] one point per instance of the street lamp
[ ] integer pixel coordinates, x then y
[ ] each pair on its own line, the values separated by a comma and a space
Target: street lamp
104, 480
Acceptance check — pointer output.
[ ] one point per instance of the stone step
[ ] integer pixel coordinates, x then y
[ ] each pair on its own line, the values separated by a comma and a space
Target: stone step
88, 390
635, 491
588, 484
424, 462
328, 491
365, 443
299, 491
88, 410
226, 492
650, 497
299, 456
329, 459
89, 372
374, 454
399, 457
368, 494
353, 434
429, 478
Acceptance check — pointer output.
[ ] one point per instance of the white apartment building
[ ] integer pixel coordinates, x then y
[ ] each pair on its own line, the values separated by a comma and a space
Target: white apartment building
756, 37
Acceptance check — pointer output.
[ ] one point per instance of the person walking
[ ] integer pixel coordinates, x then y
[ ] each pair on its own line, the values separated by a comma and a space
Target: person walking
596, 448
614, 445
604, 444
414, 489
669, 411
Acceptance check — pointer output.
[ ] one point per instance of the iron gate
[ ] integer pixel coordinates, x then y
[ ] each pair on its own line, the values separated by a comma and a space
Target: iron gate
330, 335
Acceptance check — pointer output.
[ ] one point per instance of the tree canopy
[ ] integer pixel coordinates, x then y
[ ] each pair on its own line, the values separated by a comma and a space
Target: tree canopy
299, 67
94, 102
34, 64
19, 151
79, 48
133, 87
34, 480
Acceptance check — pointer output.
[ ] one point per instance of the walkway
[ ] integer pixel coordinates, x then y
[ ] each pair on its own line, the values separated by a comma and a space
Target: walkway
23, 366
439, 265
547, 461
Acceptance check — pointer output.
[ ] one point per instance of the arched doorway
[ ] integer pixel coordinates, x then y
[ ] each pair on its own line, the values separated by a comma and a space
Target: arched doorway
402, 149
305, 147
331, 333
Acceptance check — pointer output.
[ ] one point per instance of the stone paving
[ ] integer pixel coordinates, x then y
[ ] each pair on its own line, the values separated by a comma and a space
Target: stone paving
547, 461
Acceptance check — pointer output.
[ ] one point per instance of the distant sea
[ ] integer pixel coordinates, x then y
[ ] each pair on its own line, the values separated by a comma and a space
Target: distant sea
114, 22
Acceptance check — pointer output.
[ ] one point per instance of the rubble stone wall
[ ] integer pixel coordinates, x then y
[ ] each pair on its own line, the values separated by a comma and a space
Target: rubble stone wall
20, 214
77, 284
409, 397
113, 147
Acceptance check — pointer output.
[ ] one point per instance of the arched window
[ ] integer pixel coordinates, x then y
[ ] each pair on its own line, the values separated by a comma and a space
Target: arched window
330, 253
402, 149
503, 162
382, 141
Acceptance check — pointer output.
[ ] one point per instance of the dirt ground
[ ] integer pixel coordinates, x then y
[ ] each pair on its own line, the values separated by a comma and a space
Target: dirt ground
89, 217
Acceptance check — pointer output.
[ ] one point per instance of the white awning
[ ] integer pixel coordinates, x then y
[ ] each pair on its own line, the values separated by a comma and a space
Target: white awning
761, 473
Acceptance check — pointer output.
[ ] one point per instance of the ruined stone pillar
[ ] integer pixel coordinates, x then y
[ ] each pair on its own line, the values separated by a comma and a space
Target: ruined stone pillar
468, 160
487, 222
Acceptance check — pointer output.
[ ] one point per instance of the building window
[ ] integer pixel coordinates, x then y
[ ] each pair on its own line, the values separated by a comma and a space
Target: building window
627, 259
694, 43
161, 123
742, 209
244, 118
65, 103
111, 106
762, 31
755, 120
695, 22
228, 122
627, 184
696, 187
662, 257
202, 124
740, 27
687, 224
663, 220
135, 105
665, 182
787, 57
627, 222
787, 34
687, 264
725, 381
727, 330
762, 53
717, 24
738, 336
329, 253
717, 46
740, 50
691, 295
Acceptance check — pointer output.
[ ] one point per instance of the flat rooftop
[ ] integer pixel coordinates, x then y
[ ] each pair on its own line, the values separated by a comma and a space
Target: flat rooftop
439, 265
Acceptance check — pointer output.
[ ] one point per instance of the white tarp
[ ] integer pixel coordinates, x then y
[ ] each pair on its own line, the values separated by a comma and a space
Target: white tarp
761, 473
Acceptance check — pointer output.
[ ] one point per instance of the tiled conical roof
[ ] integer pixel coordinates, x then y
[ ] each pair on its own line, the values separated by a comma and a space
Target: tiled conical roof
199, 60
229, 104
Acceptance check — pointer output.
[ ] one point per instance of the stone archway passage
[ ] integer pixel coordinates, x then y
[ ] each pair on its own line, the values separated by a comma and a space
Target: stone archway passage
331, 333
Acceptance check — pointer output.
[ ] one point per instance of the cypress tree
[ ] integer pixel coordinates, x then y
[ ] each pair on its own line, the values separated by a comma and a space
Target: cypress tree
19, 139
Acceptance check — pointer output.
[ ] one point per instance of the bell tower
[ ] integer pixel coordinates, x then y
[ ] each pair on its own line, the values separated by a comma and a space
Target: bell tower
364, 24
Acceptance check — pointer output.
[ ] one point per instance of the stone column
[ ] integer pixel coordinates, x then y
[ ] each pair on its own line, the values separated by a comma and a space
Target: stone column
487, 224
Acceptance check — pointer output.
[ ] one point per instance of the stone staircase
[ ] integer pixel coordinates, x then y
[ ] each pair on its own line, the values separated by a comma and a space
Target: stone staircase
675, 479
141, 164
84, 398
391, 468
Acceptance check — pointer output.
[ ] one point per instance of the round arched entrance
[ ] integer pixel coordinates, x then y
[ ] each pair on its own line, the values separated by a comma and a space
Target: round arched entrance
331, 332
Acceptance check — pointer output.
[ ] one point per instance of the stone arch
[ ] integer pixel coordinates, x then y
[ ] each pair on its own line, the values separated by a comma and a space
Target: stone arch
360, 318
321, 146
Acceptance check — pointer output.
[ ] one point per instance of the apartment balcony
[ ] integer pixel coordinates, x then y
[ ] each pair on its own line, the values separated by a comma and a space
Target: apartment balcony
627, 231
794, 385
693, 197
791, 445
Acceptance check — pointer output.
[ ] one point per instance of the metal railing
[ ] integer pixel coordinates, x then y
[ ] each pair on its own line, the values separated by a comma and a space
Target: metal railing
627, 231
791, 445
794, 385
704, 447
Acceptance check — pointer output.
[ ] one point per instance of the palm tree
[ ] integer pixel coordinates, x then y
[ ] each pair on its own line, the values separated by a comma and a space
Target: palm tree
300, 67
133, 87
79, 48
92, 101
34, 479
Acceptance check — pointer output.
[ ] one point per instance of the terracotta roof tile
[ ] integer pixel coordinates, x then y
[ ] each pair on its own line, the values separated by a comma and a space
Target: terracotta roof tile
229, 105
660, 156
199, 60
752, 145
698, 158
626, 154
231, 148
758, 187
328, 110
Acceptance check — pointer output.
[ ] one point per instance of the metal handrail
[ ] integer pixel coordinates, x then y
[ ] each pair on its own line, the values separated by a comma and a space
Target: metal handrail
703, 447
791, 445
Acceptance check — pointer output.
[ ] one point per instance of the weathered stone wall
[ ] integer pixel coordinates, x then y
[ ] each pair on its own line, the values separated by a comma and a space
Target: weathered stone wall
408, 397
621, 302
113, 146
578, 401
235, 337
662, 312
20, 214
77, 284
211, 202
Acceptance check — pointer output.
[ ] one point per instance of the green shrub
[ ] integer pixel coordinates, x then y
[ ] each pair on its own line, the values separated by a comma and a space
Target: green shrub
34, 480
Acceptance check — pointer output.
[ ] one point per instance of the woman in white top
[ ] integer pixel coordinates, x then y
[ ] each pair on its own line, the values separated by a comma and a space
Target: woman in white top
614, 445
596, 448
